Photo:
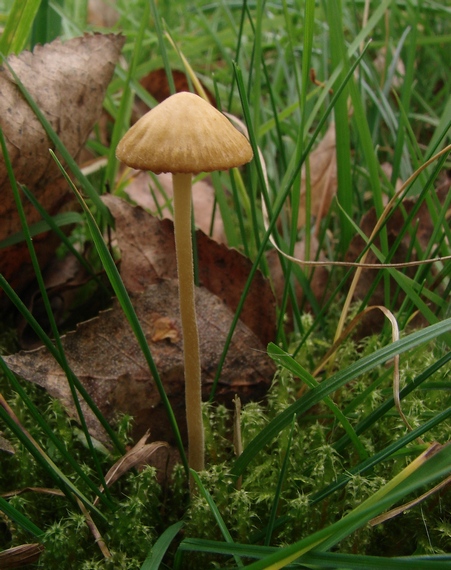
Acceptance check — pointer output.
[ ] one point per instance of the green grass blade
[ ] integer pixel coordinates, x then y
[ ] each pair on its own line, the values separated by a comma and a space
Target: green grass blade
280, 483
304, 375
162, 45
63, 482
355, 562
341, 117
322, 559
47, 24
19, 518
125, 106
407, 88
48, 308
18, 26
155, 558
331, 384
215, 511
58, 221
421, 472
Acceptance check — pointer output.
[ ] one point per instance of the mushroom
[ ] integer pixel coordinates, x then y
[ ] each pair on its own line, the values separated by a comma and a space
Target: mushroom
185, 135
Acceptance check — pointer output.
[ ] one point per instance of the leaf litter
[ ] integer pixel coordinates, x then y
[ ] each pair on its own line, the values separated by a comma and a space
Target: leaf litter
105, 356
68, 81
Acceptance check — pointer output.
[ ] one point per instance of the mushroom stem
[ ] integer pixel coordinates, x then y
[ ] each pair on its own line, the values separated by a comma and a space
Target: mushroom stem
185, 270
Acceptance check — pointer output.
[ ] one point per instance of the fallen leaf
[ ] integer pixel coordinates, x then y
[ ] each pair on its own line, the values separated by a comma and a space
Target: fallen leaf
106, 358
40, 490
148, 254
138, 456
63, 279
20, 556
68, 82
323, 178
6, 446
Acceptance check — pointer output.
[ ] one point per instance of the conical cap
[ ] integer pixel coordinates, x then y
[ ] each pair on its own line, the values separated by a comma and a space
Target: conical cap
184, 134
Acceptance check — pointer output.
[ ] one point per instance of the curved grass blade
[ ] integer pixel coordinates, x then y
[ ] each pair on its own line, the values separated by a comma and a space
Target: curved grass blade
322, 559
155, 557
298, 370
331, 384
433, 464
58, 221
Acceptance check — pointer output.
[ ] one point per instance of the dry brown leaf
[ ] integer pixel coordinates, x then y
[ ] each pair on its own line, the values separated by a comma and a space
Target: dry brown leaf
20, 556
323, 177
63, 279
40, 490
105, 356
68, 82
6, 446
15, 260
157, 197
135, 457
148, 254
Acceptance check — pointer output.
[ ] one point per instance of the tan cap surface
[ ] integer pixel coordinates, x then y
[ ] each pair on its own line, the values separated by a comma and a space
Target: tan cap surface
184, 134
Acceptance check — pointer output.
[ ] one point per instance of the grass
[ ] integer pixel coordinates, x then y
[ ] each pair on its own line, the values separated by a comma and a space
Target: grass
327, 451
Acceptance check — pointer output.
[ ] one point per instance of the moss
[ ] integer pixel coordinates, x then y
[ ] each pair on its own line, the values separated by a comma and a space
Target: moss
143, 509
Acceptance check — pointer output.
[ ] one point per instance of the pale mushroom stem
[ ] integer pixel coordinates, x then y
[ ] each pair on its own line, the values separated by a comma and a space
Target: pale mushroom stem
185, 269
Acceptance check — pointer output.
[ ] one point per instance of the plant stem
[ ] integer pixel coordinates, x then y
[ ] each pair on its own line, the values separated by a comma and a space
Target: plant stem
191, 353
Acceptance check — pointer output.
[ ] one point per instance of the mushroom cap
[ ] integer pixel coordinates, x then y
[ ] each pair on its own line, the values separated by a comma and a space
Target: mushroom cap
184, 134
